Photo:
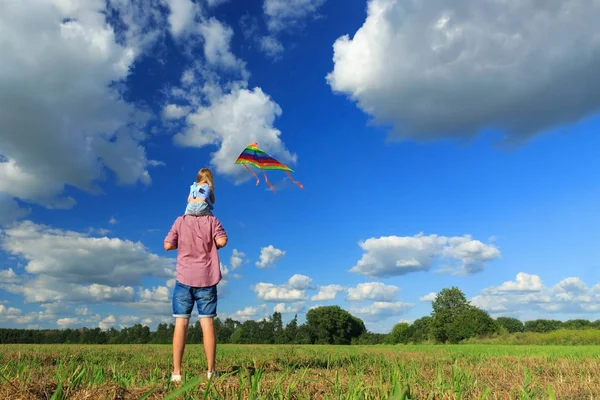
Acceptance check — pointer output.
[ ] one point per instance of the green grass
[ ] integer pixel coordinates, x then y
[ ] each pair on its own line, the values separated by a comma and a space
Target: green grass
473, 371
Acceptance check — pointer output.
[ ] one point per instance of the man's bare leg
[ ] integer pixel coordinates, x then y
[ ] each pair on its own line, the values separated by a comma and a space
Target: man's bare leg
181, 325
210, 342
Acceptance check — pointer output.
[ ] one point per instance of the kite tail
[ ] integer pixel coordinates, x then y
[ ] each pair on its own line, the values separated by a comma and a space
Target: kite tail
252, 172
268, 183
292, 179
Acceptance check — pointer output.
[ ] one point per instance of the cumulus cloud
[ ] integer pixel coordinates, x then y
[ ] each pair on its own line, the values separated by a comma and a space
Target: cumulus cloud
372, 291
269, 255
289, 14
293, 308
181, 17
271, 292
107, 322
174, 111
249, 313
394, 255
73, 257
63, 114
10, 211
65, 322
224, 112
293, 290
237, 259
428, 297
381, 310
440, 69
528, 294
327, 292
300, 282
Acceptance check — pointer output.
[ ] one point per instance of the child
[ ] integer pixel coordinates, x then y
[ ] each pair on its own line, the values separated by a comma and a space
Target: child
202, 194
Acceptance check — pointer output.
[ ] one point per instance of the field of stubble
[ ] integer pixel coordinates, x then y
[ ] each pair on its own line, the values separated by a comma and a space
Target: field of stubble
302, 372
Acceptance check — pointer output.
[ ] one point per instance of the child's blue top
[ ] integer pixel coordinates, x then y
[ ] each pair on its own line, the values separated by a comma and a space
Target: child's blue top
202, 192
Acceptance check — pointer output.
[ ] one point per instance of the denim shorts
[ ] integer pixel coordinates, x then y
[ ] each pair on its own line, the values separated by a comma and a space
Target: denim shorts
184, 297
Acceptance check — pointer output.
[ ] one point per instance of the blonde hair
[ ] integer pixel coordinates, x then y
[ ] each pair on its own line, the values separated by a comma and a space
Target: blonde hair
205, 175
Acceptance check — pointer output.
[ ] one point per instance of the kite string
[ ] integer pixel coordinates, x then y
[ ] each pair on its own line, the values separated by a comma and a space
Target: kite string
252, 172
292, 179
268, 183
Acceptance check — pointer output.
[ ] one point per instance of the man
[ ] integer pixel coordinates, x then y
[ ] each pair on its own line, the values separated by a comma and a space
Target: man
197, 239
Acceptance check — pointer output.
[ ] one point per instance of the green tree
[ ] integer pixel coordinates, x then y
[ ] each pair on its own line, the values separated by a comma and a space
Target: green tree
333, 325
401, 333
291, 330
470, 322
422, 330
449, 303
512, 325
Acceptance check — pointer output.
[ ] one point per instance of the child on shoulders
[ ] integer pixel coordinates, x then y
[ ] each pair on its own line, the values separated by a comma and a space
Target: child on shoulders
201, 198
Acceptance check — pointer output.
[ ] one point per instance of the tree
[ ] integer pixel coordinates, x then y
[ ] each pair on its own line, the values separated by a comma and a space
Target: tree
422, 330
512, 325
291, 330
448, 304
401, 333
470, 322
333, 325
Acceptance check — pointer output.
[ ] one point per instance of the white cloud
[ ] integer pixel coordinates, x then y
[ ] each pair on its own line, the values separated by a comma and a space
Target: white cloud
231, 120
440, 69
107, 322
181, 16
237, 259
73, 257
4, 311
271, 46
66, 322
327, 292
428, 297
216, 3
289, 14
381, 310
9, 276
128, 320
10, 211
394, 255
527, 295
293, 290
248, 313
293, 308
271, 292
83, 311
217, 38
174, 111
58, 114
113, 221
269, 255
372, 291
300, 282
523, 283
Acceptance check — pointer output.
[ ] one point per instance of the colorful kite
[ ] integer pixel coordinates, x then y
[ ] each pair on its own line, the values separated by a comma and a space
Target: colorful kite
254, 156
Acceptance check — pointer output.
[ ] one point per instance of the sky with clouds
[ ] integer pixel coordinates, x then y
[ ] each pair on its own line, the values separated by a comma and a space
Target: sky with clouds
440, 143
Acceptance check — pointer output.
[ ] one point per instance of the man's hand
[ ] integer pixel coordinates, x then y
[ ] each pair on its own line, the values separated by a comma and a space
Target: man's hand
169, 246
221, 241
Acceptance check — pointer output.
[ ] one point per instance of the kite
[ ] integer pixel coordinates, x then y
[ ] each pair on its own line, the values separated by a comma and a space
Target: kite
253, 155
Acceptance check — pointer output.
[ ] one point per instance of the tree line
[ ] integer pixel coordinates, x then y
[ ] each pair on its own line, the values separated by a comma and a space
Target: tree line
452, 320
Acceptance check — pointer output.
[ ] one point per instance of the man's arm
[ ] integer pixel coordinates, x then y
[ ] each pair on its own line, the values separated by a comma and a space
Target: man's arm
170, 242
221, 241
220, 235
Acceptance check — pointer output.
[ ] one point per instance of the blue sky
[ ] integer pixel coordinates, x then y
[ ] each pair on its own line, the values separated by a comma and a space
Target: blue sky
433, 153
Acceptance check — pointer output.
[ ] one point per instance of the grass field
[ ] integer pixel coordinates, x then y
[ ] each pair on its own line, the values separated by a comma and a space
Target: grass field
302, 372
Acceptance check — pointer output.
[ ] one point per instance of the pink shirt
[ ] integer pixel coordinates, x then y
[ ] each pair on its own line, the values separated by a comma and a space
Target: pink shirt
194, 237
